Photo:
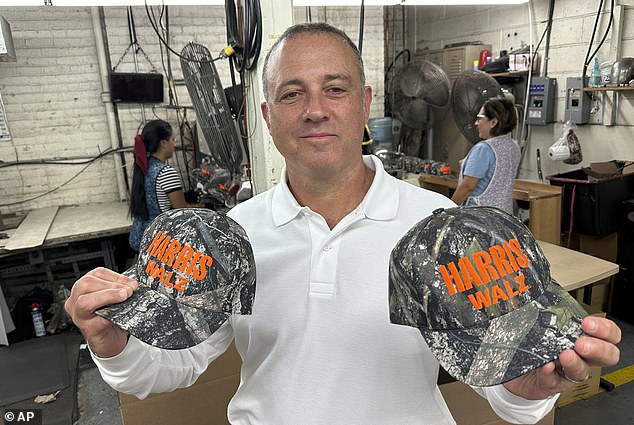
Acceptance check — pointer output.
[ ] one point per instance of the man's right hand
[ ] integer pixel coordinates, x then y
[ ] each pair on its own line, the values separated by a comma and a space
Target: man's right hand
95, 289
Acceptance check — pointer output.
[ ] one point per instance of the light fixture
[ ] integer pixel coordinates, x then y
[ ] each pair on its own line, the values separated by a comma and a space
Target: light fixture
221, 2
345, 2
111, 2
21, 2
459, 2
403, 2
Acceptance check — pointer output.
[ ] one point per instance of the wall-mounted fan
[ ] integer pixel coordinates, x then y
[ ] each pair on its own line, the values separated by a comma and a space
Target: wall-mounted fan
419, 92
469, 92
212, 110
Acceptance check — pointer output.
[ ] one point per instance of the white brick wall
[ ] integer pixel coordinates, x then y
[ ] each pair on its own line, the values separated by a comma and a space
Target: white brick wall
347, 19
52, 94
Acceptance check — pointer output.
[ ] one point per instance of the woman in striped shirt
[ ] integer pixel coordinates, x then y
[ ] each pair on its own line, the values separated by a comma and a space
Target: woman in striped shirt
156, 186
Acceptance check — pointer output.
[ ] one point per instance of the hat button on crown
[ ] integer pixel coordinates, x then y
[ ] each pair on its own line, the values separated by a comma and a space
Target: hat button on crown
438, 211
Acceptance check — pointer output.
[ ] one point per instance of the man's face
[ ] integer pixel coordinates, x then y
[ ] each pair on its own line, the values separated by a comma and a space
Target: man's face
317, 107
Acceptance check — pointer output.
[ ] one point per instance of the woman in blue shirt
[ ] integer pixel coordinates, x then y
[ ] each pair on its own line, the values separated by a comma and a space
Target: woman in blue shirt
489, 169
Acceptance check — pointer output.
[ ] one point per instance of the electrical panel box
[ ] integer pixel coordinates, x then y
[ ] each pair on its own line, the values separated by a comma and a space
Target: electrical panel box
7, 51
577, 101
541, 101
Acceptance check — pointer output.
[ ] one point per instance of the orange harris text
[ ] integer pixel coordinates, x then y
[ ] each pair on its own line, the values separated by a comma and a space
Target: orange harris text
180, 257
486, 266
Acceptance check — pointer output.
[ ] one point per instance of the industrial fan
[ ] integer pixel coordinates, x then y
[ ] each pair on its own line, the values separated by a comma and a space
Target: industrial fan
212, 109
469, 92
419, 91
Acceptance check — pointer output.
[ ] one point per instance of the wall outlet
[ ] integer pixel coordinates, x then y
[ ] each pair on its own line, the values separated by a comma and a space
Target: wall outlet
511, 40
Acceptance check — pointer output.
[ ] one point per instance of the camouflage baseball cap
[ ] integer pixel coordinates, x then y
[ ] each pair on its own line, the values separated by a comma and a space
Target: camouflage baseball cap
477, 285
195, 268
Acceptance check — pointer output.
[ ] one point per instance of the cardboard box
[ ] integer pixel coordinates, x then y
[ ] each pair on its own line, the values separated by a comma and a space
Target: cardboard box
205, 402
600, 246
469, 408
601, 170
583, 390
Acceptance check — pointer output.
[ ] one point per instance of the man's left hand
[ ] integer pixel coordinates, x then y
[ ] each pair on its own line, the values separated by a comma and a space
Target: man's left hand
596, 347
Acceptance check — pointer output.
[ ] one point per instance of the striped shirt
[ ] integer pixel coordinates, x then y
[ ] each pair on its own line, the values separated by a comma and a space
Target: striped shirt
167, 181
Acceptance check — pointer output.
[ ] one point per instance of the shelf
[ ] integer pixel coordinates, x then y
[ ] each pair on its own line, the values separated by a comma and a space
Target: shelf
615, 88
509, 74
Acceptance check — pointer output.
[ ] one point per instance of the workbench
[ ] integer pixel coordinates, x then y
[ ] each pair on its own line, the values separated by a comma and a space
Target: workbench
51, 226
544, 202
54, 246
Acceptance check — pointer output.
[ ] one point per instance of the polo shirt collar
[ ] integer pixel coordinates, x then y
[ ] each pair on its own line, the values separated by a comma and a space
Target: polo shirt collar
380, 203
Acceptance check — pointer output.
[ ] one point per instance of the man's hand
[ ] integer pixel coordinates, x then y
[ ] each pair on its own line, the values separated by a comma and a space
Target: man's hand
95, 289
597, 347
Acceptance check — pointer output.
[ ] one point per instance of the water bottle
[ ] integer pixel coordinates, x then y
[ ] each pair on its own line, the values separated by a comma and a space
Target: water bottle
38, 322
595, 78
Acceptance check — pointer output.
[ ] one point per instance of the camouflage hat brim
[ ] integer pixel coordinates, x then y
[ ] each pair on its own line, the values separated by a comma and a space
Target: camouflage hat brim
173, 324
195, 268
512, 344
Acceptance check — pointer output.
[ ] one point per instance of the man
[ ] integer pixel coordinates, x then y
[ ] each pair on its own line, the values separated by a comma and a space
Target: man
319, 347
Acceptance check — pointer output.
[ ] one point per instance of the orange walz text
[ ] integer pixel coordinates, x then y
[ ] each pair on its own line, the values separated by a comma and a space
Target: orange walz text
179, 257
486, 266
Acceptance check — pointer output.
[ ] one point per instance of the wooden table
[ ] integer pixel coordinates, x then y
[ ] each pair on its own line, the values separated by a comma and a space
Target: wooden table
58, 225
573, 269
544, 203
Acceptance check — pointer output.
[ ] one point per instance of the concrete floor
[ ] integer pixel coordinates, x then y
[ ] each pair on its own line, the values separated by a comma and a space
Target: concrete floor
98, 403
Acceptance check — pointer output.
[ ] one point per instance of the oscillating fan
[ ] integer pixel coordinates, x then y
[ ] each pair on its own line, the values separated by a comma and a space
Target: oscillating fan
419, 91
212, 110
419, 88
469, 92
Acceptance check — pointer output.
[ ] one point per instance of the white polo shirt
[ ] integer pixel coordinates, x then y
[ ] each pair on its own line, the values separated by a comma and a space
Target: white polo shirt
319, 347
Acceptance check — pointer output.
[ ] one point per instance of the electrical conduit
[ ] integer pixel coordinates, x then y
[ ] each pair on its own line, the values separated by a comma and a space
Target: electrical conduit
105, 97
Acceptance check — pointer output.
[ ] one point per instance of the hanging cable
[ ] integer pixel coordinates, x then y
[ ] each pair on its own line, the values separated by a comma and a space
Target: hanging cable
605, 34
86, 164
361, 20
524, 131
246, 44
132, 29
549, 26
164, 21
586, 61
226, 52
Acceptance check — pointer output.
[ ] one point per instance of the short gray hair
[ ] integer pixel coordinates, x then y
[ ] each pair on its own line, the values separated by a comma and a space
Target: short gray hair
311, 28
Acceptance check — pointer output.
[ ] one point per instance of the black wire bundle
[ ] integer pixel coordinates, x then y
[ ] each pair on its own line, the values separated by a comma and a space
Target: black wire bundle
152, 19
246, 47
589, 55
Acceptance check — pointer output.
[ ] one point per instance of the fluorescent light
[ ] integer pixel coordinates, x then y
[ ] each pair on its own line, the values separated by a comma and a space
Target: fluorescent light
221, 2
402, 2
459, 2
345, 2
111, 2
137, 2
21, 2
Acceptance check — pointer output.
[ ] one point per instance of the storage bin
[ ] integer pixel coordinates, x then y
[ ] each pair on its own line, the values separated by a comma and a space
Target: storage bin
595, 203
